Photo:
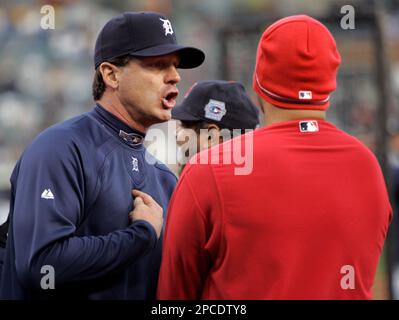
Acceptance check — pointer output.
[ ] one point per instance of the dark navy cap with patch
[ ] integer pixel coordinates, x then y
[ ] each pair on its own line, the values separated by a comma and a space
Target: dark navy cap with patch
142, 34
224, 103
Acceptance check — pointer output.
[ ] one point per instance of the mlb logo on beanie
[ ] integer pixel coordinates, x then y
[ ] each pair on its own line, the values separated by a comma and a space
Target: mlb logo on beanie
305, 95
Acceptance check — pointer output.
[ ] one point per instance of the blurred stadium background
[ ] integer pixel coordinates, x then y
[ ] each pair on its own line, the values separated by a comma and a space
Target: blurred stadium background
46, 75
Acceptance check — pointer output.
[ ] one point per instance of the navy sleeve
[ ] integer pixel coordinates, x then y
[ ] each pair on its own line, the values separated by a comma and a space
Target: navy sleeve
49, 201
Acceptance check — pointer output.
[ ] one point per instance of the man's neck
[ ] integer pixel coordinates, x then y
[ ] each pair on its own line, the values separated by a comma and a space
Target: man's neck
275, 115
117, 109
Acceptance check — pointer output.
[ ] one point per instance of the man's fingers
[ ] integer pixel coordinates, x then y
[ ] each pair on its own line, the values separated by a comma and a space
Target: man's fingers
148, 200
146, 197
138, 201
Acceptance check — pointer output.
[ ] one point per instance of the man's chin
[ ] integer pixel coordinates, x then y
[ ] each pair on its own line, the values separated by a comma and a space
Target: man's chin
160, 118
166, 115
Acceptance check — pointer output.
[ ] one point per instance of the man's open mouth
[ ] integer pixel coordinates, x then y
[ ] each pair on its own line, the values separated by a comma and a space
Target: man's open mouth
169, 101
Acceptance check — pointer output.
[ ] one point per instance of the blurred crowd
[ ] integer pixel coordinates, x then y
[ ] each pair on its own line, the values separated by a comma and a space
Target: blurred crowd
46, 75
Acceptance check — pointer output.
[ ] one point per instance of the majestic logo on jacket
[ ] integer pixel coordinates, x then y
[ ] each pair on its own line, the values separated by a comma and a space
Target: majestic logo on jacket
131, 138
309, 126
135, 164
47, 194
215, 110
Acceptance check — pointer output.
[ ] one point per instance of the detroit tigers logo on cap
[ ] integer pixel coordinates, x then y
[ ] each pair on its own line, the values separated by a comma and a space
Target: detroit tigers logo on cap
215, 110
308, 126
167, 26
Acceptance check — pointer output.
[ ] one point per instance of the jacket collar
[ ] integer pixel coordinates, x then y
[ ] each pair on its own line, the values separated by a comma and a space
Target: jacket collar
129, 135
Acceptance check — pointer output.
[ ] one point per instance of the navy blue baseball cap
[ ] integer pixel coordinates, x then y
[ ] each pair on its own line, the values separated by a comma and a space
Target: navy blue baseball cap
142, 34
224, 103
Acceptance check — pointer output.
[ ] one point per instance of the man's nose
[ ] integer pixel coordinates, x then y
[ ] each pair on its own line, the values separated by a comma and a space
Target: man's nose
173, 75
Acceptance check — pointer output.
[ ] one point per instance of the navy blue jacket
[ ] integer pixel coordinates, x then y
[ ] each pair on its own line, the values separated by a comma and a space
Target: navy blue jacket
70, 200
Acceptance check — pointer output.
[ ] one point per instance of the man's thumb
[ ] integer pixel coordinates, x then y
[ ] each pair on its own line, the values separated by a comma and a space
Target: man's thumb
138, 201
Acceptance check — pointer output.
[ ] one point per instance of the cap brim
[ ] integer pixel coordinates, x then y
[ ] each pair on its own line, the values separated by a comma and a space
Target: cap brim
190, 57
179, 113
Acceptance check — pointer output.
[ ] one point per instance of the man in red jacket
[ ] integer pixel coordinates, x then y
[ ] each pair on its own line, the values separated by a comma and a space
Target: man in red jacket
310, 220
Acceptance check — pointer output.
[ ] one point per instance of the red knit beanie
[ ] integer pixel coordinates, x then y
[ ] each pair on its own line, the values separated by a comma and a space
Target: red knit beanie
296, 64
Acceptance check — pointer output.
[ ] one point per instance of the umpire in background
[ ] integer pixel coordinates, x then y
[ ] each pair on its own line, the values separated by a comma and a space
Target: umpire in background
74, 230
311, 219
210, 113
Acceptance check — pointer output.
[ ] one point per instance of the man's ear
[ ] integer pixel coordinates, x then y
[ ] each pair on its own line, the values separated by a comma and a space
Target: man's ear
110, 74
213, 127
214, 137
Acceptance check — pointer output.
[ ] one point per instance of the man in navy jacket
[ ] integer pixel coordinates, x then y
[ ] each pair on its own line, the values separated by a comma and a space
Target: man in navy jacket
75, 231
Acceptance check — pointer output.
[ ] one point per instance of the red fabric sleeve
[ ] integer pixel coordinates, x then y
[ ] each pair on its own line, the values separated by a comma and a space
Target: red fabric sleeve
191, 236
